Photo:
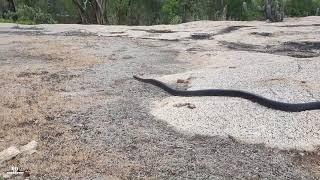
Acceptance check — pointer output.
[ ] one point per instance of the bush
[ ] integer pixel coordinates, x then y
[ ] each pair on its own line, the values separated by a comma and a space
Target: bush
170, 10
245, 10
29, 15
5, 20
302, 8
176, 20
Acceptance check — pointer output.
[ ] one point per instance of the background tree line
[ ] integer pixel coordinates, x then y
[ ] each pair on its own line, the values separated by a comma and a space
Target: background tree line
148, 12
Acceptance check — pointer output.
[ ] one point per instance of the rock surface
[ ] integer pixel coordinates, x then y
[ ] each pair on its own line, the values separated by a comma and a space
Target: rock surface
70, 87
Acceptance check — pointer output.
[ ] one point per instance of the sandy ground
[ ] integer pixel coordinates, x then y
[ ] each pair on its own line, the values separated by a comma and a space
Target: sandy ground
70, 88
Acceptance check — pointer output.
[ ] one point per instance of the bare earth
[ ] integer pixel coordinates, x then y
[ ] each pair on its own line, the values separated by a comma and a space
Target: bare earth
70, 88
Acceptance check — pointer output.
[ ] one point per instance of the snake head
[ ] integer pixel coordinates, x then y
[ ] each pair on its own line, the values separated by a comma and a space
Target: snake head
138, 78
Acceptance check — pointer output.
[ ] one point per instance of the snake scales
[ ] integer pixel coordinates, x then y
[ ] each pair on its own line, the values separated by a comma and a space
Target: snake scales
288, 107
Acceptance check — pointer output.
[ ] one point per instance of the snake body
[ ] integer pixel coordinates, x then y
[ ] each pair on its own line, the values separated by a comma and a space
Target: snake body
288, 107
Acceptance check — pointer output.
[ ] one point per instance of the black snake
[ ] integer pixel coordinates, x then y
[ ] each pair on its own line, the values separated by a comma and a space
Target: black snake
235, 93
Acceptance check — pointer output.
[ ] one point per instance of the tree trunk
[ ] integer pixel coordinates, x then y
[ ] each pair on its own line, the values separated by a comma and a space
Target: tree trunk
100, 10
82, 12
274, 10
92, 11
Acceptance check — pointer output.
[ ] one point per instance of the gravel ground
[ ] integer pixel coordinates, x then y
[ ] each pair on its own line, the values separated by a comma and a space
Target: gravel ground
70, 88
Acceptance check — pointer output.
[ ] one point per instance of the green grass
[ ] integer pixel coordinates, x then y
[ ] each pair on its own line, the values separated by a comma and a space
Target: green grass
6, 21
27, 22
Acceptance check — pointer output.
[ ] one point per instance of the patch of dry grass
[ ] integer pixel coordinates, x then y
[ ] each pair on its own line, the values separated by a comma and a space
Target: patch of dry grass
33, 100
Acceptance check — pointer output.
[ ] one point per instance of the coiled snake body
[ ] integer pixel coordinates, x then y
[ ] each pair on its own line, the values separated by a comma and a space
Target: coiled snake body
288, 107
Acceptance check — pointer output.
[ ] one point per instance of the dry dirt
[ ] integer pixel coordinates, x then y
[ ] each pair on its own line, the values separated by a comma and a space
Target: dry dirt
70, 88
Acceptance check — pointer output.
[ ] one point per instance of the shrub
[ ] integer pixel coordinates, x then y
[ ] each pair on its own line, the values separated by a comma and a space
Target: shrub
29, 15
170, 10
176, 20
302, 8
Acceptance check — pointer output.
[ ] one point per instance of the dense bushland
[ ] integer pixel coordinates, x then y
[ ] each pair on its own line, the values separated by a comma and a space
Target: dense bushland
146, 12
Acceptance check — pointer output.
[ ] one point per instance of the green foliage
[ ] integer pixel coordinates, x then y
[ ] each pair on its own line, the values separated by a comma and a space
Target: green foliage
6, 20
187, 10
117, 11
190, 10
144, 12
149, 12
41, 4
63, 11
29, 15
170, 10
176, 20
252, 10
234, 9
133, 12
302, 8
